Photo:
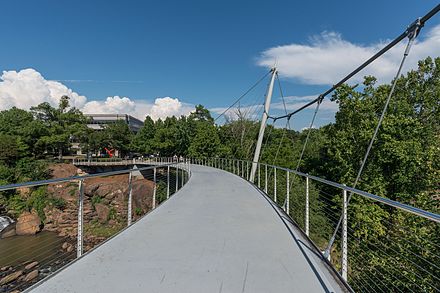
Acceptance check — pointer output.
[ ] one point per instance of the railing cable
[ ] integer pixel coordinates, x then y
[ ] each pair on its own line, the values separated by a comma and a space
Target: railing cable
411, 39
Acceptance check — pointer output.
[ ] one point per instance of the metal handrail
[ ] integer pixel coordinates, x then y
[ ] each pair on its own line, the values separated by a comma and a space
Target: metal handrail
75, 178
180, 166
240, 167
408, 208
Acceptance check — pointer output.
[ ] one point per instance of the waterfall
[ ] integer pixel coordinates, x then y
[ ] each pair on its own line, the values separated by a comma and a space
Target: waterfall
5, 221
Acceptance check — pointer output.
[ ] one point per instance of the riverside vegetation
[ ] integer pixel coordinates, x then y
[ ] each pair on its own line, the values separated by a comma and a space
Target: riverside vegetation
404, 165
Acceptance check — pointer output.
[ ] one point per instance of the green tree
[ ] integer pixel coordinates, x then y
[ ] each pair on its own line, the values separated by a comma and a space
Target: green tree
116, 136
12, 148
201, 114
64, 125
143, 140
206, 142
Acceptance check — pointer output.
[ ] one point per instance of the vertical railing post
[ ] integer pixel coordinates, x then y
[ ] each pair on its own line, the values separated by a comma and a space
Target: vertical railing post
287, 194
259, 175
242, 169
307, 207
183, 177
274, 184
130, 195
79, 245
168, 181
177, 177
155, 188
247, 170
265, 179
344, 236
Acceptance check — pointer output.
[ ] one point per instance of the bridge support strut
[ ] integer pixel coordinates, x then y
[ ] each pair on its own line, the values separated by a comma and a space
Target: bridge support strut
263, 125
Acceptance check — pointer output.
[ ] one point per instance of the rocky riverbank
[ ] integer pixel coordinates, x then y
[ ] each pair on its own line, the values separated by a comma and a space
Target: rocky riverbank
104, 214
17, 278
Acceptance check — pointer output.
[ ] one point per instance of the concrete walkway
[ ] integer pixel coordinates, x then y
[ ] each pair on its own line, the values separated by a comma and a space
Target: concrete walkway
217, 234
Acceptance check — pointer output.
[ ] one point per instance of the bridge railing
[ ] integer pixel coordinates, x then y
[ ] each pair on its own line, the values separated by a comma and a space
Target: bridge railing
123, 161
78, 213
385, 246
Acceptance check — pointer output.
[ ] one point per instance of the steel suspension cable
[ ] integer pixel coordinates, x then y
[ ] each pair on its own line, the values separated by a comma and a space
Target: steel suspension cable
308, 135
412, 37
243, 95
415, 26
288, 120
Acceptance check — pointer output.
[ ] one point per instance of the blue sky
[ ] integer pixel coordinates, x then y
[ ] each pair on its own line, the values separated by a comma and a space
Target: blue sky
206, 52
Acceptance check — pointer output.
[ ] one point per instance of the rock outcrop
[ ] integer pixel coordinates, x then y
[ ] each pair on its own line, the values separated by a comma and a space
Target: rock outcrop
28, 223
103, 212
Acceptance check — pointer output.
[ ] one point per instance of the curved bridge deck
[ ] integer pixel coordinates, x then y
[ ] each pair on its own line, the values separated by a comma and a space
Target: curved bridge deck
219, 233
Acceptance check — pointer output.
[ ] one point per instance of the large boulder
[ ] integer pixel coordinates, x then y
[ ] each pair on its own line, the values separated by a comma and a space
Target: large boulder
102, 211
142, 196
28, 224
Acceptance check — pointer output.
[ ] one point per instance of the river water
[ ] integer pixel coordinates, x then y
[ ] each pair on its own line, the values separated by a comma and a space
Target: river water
44, 247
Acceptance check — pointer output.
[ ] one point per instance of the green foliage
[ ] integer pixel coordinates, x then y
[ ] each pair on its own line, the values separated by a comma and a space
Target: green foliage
403, 165
161, 192
62, 125
28, 169
143, 141
206, 142
58, 202
112, 214
37, 199
138, 211
116, 136
95, 228
12, 148
95, 199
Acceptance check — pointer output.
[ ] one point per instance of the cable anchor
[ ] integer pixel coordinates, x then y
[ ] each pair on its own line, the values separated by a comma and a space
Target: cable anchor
414, 28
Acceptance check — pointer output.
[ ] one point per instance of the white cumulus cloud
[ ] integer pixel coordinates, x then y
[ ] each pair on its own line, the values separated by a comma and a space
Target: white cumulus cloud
167, 106
26, 88
327, 57
114, 104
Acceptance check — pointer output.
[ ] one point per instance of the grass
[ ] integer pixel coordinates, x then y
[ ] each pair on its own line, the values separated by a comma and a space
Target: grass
102, 230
